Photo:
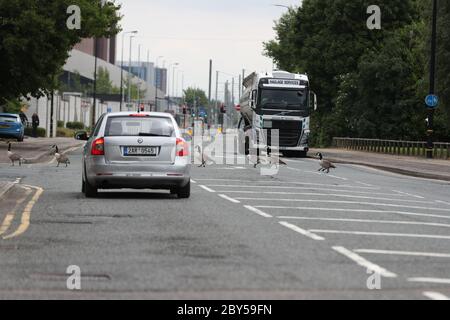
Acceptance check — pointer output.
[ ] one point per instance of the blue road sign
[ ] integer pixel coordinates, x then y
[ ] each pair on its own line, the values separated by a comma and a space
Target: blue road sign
432, 101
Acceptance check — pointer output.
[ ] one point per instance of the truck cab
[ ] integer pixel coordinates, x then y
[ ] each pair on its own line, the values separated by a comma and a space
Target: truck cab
275, 109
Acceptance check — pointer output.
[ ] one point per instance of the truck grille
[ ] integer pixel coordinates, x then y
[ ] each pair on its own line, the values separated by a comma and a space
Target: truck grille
289, 131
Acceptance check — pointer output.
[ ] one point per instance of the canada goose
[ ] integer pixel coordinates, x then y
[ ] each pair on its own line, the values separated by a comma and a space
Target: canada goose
325, 164
60, 158
203, 157
14, 156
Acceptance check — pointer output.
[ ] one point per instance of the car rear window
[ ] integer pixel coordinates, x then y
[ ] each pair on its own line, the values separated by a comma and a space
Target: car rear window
125, 126
9, 119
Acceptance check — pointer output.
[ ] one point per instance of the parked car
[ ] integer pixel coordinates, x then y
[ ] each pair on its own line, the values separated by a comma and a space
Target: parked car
11, 127
136, 151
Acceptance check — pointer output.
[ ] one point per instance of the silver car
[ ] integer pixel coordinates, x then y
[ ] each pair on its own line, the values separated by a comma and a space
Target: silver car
136, 151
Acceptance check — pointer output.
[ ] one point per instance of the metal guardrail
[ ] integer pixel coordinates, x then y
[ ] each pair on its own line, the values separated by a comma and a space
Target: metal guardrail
394, 147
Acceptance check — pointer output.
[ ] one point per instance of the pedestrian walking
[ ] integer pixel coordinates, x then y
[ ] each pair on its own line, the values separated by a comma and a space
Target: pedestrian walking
23, 118
35, 124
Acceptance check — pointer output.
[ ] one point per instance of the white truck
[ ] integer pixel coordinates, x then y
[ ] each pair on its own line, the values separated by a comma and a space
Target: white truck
279, 101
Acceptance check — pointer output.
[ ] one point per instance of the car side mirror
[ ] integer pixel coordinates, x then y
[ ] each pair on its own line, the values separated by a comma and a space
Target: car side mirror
314, 101
82, 136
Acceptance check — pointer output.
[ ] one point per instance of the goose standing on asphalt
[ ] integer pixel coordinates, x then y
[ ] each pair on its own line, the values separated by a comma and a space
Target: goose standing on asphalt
60, 158
325, 164
204, 158
14, 156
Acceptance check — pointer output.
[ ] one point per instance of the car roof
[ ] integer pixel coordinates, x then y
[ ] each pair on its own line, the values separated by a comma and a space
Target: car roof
9, 114
127, 113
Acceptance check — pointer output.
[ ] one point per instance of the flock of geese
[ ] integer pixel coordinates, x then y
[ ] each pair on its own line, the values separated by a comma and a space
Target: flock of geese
204, 159
325, 165
15, 157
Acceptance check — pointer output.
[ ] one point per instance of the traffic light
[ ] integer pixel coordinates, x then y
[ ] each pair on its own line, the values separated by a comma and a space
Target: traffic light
223, 109
184, 110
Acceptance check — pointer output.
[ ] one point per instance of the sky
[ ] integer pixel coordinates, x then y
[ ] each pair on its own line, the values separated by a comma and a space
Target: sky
230, 32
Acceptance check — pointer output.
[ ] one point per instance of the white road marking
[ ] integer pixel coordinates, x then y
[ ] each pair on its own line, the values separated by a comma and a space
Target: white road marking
228, 198
305, 188
346, 202
436, 296
443, 202
289, 182
207, 189
193, 181
330, 195
430, 280
364, 184
382, 234
302, 231
409, 194
257, 211
356, 210
404, 253
326, 175
365, 263
368, 221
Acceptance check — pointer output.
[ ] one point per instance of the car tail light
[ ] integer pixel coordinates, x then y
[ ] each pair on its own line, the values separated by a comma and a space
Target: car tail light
182, 148
98, 147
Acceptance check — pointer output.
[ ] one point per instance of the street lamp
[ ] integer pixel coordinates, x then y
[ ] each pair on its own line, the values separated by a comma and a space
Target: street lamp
121, 71
173, 78
129, 69
168, 72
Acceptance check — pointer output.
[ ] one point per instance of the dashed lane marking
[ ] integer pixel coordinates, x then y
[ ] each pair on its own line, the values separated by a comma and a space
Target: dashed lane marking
368, 221
223, 196
404, 253
365, 263
304, 232
207, 189
257, 211
328, 195
193, 181
289, 183
382, 234
443, 202
430, 280
405, 213
436, 296
409, 194
309, 189
346, 202
26, 214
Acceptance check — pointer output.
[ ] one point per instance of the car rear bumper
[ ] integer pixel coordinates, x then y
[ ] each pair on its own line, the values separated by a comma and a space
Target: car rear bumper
14, 135
120, 176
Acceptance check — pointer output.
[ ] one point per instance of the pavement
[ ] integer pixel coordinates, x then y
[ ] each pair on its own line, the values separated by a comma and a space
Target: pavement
356, 233
411, 166
37, 150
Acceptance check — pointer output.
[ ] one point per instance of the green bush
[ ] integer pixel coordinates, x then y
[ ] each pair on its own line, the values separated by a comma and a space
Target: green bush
41, 133
65, 133
75, 125
60, 124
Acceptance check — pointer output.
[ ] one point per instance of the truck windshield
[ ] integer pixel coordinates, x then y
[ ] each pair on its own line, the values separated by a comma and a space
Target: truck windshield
283, 99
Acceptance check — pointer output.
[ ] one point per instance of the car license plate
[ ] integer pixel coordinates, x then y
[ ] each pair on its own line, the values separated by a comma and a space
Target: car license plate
140, 151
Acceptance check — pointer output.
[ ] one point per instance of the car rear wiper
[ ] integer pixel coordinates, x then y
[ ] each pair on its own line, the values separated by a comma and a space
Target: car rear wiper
145, 134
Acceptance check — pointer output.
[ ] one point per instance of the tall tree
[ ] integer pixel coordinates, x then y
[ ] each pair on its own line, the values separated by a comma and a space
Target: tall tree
35, 40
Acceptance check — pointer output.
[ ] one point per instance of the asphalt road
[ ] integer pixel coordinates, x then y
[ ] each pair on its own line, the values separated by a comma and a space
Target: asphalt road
296, 235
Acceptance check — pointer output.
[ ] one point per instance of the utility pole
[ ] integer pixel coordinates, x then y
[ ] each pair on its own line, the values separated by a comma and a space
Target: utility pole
210, 80
95, 83
129, 70
139, 79
217, 98
430, 122
240, 87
